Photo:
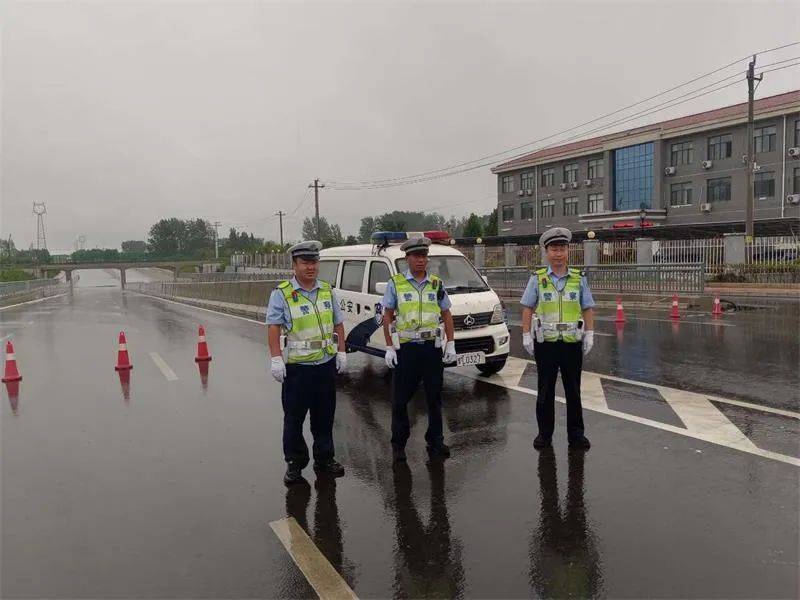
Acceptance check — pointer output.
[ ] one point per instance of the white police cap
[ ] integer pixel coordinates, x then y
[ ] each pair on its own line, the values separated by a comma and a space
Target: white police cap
555, 234
415, 244
308, 250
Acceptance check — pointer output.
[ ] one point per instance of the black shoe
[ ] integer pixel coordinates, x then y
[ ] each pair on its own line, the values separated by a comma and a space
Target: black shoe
442, 450
542, 442
294, 474
398, 454
580, 443
331, 467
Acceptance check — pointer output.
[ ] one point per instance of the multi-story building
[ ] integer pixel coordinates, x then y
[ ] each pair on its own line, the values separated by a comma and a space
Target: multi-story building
689, 171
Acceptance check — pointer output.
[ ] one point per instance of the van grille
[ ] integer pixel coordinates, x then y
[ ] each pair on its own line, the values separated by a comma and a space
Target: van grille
481, 320
481, 344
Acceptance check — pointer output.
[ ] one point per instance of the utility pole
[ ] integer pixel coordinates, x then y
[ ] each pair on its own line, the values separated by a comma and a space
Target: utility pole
749, 201
316, 185
280, 214
216, 225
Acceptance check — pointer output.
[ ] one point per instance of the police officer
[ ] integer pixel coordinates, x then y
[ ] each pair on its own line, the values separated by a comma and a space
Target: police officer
307, 346
561, 334
414, 304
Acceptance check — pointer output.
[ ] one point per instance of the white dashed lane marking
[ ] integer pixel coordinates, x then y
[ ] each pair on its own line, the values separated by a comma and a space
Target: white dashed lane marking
163, 367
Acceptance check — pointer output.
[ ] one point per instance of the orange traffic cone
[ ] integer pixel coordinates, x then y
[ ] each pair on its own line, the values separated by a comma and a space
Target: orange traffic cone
202, 347
620, 311
717, 312
123, 360
675, 314
11, 372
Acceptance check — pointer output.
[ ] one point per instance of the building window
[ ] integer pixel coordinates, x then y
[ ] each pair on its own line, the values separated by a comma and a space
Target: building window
571, 206
719, 189
526, 181
595, 168
682, 154
720, 146
596, 203
680, 194
508, 183
526, 210
764, 184
797, 180
633, 177
764, 139
508, 213
797, 133
570, 173
548, 177
548, 208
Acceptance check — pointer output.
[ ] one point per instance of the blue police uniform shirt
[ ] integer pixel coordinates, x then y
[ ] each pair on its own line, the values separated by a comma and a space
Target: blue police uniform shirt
531, 296
390, 296
278, 311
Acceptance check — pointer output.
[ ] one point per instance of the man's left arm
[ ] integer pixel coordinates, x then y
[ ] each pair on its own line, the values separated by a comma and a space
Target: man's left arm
587, 312
449, 329
338, 321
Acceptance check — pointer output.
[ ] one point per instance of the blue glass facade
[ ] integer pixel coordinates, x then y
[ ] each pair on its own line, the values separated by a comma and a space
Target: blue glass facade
633, 177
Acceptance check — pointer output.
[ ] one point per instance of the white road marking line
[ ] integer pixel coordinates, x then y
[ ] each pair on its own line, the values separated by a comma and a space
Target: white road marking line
703, 420
699, 414
319, 573
33, 301
15, 323
164, 367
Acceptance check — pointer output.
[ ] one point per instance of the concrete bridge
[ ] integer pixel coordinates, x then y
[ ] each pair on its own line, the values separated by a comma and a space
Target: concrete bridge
170, 265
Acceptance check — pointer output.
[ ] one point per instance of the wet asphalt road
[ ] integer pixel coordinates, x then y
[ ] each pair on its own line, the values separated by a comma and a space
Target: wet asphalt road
164, 488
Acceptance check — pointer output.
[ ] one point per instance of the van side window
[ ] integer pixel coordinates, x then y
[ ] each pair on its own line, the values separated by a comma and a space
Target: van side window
328, 270
378, 273
353, 275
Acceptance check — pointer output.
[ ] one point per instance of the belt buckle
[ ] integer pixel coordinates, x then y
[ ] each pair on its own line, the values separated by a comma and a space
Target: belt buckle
426, 335
562, 327
314, 345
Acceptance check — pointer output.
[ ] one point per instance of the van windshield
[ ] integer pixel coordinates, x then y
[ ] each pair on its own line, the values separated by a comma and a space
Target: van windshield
458, 274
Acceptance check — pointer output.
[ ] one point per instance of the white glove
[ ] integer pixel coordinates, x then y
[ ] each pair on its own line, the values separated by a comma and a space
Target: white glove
390, 357
588, 341
449, 353
527, 342
278, 369
341, 361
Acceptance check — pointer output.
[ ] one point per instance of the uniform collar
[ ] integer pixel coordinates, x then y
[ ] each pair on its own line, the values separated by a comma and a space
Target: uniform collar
407, 274
551, 272
296, 285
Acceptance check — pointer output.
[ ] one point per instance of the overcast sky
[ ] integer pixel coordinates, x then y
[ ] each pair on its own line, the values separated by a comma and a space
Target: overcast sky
119, 114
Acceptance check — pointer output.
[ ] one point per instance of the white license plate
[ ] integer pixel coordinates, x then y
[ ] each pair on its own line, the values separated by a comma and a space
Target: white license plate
470, 358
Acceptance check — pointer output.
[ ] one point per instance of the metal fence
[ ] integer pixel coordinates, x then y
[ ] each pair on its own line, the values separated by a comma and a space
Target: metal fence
239, 276
775, 250
251, 293
643, 279
266, 260
710, 252
31, 289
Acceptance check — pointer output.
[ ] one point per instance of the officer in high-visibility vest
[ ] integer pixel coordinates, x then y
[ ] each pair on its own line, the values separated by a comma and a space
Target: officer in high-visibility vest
558, 329
307, 346
417, 325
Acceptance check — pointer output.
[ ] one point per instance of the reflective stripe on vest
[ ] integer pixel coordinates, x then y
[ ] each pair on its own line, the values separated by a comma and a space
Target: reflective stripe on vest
559, 307
417, 310
311, 321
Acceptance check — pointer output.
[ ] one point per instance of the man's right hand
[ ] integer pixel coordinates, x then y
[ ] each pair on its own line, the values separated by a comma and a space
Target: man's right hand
390, 357
527, 342
278, 369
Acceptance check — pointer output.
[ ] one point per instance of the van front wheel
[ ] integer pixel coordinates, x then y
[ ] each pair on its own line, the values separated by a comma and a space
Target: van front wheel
490, 368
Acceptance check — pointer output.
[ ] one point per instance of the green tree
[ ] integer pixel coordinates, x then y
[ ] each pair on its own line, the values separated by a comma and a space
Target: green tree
491, 223
350, 240
368, 226
167, 237
473, 229
134, 246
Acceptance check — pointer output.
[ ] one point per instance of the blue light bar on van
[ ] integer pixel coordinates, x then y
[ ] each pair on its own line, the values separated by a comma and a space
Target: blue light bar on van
389, 237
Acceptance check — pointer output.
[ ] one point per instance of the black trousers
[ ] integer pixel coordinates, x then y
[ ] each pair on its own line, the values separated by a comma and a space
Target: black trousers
308, 388
415, 363
550, 358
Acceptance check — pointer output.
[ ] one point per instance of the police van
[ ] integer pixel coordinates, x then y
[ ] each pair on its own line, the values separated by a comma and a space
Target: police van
361, 273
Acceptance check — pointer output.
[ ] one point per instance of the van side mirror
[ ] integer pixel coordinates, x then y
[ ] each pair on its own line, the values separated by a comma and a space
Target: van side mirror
485, 279
381, 287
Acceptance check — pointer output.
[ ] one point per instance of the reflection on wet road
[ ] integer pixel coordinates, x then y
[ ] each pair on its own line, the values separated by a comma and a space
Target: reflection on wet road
139, 486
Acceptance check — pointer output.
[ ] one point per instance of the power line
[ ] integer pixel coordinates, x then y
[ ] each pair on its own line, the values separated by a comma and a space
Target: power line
420, 176
673, 102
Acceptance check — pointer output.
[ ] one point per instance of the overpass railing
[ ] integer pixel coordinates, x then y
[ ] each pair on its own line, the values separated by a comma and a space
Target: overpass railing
640, 279
251, 293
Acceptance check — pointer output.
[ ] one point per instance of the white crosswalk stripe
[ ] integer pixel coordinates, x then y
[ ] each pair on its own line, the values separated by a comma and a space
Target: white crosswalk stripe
702, 419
